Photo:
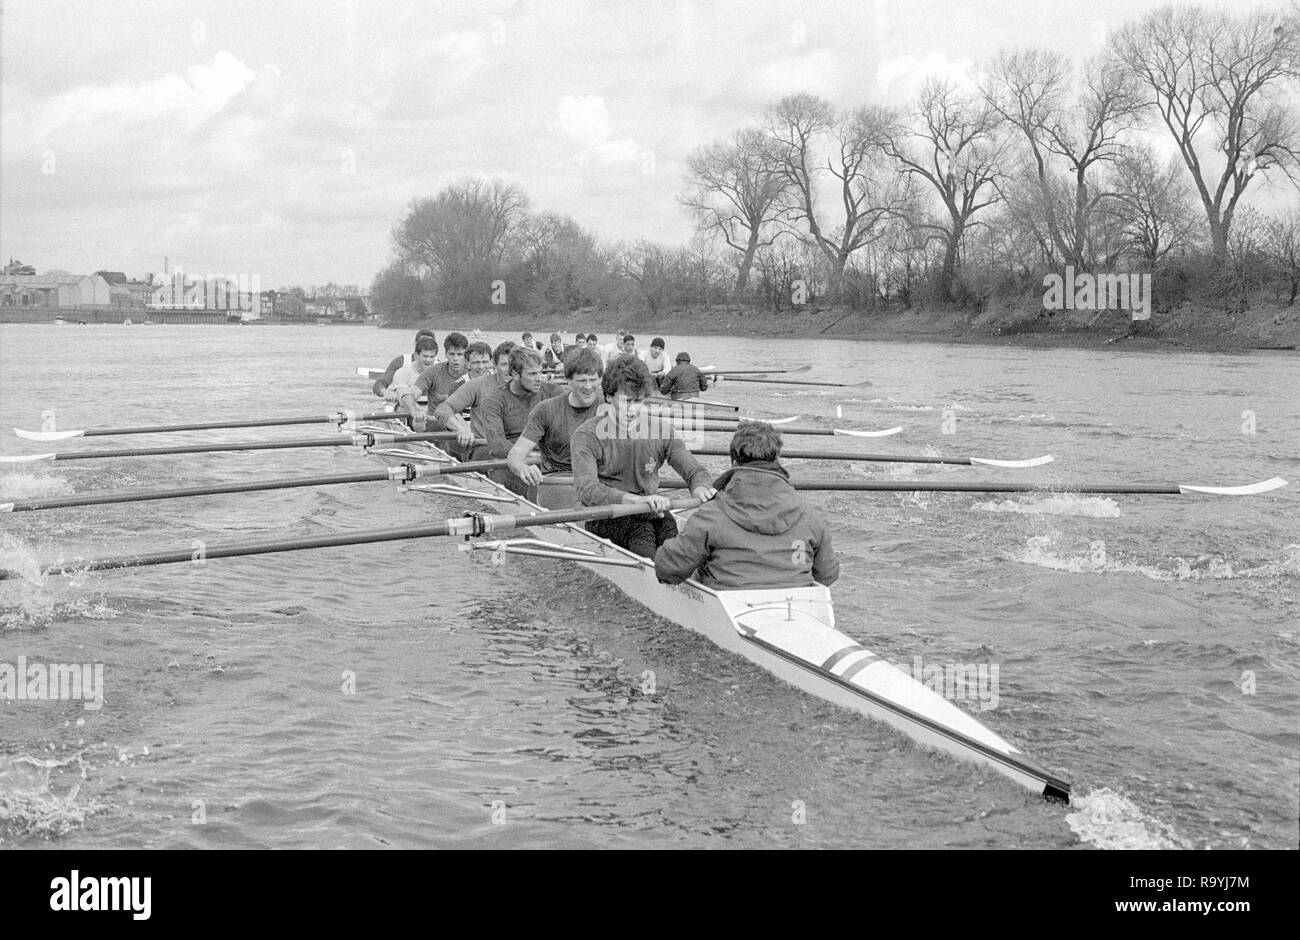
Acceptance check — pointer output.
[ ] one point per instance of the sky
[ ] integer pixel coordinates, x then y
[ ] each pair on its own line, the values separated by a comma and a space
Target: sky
285, 139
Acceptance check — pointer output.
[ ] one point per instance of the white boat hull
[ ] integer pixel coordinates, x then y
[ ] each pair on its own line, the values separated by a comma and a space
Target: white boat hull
789, 632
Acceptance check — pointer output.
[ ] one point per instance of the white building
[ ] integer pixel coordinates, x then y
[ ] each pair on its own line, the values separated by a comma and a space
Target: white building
54, 289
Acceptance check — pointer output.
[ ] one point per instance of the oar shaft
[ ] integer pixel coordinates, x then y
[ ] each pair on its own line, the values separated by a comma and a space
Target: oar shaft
338, 418
798, 382
343, 441
403, 472
482, 524
843, 455
907, 486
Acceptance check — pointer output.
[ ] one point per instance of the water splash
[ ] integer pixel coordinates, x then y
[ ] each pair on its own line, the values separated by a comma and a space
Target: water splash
1109, 820
1058, 504
23, 485
30, 804
1041, 552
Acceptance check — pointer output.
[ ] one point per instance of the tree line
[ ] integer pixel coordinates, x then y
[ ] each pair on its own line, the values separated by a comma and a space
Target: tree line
966, 194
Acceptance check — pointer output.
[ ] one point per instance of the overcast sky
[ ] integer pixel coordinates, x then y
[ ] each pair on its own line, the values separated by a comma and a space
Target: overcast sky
285, 138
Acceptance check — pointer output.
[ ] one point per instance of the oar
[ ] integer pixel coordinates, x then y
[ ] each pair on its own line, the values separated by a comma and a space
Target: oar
340, 418
712, 370
903, 486
889, 458
691, 403
823, 432
862, 384
403, 473
368, 439
466, 526
733, 420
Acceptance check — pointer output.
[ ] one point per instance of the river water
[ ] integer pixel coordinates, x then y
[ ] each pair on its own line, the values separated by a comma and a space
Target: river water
1147, 648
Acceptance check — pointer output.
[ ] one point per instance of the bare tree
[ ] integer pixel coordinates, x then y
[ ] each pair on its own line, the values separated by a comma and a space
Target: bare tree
1154, 206
869, 193
952, 144
1282, 238
1220, 84
733, 189
1031, 90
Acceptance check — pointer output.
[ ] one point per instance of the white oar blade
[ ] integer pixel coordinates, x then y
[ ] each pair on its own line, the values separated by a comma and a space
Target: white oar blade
1013, 464
885, 433
789, 420
1250, 489
367, 373
47, 435
28, 458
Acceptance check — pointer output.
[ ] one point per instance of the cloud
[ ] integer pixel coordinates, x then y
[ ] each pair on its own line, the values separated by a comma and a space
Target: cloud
900, 78
584, 121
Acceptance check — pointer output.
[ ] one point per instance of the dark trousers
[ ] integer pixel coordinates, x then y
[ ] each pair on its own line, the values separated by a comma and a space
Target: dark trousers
638, 534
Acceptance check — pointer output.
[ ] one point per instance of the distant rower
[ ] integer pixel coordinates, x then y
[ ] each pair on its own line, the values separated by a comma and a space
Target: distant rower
758, 533
656, 360
382, 383
437, 382
615, 460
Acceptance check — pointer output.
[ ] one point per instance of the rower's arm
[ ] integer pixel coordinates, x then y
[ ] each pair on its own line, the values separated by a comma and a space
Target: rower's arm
826, 566
385, 380
454, 404
517, 461
584, 450
492, 416
684, 462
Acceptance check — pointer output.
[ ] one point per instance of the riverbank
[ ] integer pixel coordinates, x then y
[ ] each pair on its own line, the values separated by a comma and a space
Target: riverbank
1194, 327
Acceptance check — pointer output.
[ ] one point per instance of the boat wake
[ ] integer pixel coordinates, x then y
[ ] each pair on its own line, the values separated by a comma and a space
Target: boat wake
1109, 820
1040, 552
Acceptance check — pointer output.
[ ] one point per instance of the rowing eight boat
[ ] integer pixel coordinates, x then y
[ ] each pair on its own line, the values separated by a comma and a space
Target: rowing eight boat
789, 631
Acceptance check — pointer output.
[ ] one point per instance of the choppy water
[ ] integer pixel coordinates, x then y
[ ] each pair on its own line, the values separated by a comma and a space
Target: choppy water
1148, 647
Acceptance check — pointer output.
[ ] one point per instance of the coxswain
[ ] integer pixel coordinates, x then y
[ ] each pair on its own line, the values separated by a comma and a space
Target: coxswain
616, 455
758, 533
382, 383
683, 380
550, 427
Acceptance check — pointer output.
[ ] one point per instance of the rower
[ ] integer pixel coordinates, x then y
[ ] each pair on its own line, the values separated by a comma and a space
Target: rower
553, 358
471, 395
684, 380
399, 389
656, 360
615, 460
551, 424
758, 533
624, 346
438, 381
529, 343
381, 386
505, 410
